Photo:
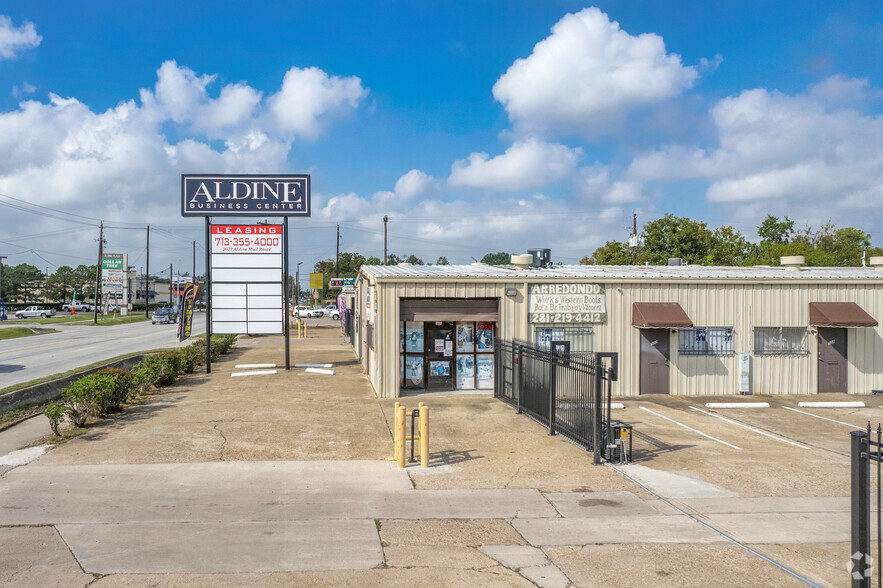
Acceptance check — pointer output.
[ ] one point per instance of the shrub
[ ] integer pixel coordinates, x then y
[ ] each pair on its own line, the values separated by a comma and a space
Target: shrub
80, 400
221, 345
191, 357
55, 413
155, 371
120, 387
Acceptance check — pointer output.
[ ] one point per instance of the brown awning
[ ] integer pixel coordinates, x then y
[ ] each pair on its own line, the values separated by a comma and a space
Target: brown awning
648, 315
449, 309
839, 314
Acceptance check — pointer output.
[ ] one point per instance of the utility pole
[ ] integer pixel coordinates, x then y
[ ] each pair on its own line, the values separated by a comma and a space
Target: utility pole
385, 221
194, 263
171, 275
2, 314
98, 274
147, 280
297, 284
633, 240
337, 256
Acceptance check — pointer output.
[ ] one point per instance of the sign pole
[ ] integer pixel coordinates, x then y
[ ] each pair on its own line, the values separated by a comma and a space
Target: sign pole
208, 295
286, 292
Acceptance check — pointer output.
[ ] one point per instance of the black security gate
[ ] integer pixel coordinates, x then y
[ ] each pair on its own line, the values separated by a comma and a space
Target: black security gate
566, 391
349, 325
866, 449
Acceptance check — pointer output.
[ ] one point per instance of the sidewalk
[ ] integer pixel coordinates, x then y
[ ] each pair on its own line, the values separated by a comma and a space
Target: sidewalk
283, 480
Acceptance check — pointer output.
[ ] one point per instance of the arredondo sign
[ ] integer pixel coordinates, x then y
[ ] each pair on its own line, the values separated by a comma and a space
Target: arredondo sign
566, 303
245, 195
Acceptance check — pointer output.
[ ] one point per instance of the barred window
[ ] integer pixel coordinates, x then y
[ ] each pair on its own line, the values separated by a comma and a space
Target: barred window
580, 337
780, 341
706, 341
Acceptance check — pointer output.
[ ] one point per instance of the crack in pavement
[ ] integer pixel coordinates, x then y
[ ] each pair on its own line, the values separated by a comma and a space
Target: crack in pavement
224, 444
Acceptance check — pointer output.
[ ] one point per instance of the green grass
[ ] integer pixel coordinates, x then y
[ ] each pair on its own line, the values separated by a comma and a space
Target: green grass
85, 318
16, 332
103, 362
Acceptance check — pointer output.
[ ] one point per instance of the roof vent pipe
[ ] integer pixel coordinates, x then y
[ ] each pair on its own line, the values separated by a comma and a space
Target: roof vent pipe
792, 263
877, 262
522, 261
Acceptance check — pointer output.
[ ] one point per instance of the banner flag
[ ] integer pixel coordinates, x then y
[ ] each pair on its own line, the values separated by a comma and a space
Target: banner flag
185, 321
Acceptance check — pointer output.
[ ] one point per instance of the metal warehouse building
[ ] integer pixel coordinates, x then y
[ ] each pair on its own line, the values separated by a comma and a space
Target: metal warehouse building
685, 330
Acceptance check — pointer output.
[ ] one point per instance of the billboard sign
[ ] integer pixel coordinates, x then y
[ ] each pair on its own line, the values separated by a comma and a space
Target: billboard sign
246, 239
245, 195
316, 281
566, 303
113, 273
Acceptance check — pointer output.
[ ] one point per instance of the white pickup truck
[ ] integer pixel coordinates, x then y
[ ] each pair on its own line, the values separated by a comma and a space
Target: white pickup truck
34, 312
78, 307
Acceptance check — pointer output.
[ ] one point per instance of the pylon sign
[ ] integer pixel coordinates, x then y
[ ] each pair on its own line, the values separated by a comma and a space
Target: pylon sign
247, 265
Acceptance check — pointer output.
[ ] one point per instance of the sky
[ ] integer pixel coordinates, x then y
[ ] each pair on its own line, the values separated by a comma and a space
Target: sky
475, 126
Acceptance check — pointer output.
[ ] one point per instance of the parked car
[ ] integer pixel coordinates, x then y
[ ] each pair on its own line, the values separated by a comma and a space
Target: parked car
166, 314
304, 312
78, 307
35, 311
333, 313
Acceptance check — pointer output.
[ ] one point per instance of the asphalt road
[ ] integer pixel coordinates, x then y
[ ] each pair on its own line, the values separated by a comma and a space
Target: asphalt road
30, 358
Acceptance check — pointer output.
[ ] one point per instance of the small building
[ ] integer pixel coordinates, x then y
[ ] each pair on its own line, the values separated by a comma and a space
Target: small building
686, 330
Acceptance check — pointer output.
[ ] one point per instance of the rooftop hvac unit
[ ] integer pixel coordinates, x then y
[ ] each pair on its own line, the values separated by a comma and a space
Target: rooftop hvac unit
675, 261
541, 257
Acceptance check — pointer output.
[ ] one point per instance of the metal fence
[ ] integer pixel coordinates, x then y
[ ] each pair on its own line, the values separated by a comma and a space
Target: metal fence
568, 392
349, 325
866, 448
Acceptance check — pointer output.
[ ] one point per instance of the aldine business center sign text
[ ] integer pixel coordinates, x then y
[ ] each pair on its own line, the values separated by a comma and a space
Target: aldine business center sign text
245, 195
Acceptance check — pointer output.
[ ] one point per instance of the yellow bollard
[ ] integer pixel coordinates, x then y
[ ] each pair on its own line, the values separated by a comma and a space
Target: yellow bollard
424, 436
395, 431
400, 436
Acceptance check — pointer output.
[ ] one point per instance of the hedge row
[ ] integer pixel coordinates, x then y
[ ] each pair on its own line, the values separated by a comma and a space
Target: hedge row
106, 390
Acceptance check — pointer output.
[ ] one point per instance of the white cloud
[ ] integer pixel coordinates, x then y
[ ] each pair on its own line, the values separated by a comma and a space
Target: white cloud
310, 96
15, 40
595, 185
23, 89
813, 152
587, 75
414, 183
529, 163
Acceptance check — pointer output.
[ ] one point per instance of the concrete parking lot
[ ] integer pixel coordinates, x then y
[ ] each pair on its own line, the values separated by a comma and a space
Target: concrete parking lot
284, 480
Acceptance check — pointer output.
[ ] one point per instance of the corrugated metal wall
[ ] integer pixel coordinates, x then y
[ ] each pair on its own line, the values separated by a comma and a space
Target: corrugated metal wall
742, 306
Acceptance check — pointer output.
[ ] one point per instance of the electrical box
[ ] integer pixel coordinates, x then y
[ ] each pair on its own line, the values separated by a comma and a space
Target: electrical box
744, 373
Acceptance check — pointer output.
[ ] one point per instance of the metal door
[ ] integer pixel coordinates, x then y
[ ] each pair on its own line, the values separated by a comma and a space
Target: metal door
832, 360
439, 341
654, 361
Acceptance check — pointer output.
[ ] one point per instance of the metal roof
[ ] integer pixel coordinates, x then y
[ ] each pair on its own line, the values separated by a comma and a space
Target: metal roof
619, 272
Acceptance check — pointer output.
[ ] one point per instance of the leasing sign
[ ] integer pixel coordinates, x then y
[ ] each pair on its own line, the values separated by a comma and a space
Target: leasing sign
245, 195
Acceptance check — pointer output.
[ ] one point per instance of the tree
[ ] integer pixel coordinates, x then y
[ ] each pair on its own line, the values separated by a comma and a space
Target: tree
499, 258
373, 260
21, 281
611, 253
61, 284
349, 265
85, 281
442, 261
771, 230
393, 259
672, 236
728, 247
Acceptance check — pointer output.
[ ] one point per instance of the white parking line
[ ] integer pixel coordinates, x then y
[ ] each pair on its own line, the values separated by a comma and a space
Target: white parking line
764, 433
254, 373
691, 429
255, 365
823, 418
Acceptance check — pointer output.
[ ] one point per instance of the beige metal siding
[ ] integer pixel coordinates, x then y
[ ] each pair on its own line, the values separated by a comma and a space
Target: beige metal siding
740, 305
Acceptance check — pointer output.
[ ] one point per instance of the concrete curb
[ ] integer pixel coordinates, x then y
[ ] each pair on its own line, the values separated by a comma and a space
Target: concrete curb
50, 390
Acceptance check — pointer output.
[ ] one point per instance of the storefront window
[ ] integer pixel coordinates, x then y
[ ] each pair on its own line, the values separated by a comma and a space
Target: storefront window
485, 338
414, 337
467, 361
465, 337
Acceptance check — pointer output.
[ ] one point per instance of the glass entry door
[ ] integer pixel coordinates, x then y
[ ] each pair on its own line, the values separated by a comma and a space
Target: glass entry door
439, 340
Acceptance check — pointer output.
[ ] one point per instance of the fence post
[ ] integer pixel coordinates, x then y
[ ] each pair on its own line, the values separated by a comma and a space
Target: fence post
518, 380
401, 432
424, 436
860, 509
552, 387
